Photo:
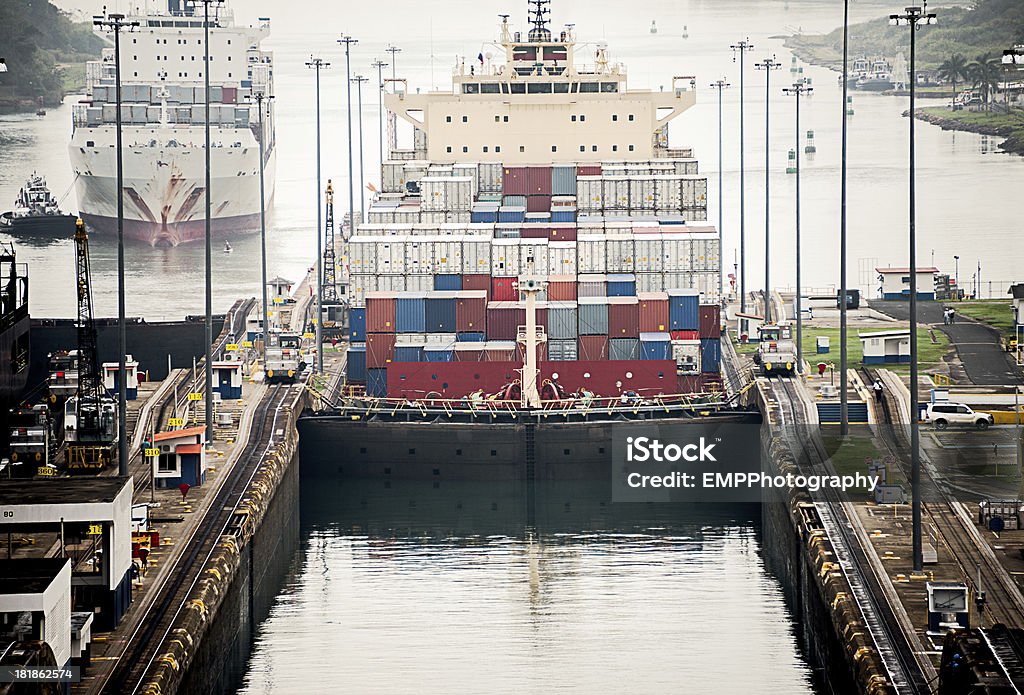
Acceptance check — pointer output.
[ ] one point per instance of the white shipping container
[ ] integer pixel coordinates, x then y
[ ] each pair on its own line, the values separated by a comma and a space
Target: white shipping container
592, 253
589, 194
447, 255
685, 166
678, 281
490, 176
562, 258
362, 253
590, 226
678, 252
668, 193
642, 193
537, 249
694, 191
415, 170
505, 259
686, 354
426, 229
391, 256
618, 226
449, 194
476, 255
649, 253
394, 177
461, 216
407, 215
433, 217
418, 255
616, 192
621, 254
419, 283
650, 282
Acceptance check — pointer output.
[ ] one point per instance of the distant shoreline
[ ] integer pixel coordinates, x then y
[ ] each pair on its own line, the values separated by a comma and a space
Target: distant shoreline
1013, 142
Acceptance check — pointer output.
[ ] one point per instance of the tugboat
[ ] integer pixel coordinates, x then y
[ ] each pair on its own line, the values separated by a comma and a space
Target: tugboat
36, 211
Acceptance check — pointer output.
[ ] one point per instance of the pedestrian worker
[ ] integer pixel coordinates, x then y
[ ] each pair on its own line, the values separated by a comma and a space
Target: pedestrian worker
878, 390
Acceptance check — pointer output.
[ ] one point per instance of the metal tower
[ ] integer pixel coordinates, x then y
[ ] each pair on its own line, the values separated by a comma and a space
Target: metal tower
330, 289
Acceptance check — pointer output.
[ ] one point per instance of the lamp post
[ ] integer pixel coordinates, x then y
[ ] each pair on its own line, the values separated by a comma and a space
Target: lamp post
914, 17
380, 65
318, 64
259, 97
768, 64
720, 85
797, 90
956, 275
348, 41
742, 48
116, 23
844, 404
394, 51
359, 79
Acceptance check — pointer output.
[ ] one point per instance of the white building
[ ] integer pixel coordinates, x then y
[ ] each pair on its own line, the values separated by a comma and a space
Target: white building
886, 347
35, 603
895, 283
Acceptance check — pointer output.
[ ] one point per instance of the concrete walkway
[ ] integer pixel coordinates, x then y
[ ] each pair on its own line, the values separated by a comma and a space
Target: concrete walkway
977, 345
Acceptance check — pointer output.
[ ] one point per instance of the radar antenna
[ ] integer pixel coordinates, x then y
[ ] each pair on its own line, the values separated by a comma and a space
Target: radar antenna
539, 11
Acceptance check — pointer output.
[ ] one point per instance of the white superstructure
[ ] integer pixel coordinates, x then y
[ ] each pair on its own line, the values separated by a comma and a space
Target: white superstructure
163, 117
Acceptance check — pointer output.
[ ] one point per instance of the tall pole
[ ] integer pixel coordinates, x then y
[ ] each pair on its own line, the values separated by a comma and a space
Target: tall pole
844, 398
742, 47
720, 85
768, 64
318, 64
914, 17
956, 275
349, 41
380, 65
359, 79
260, 97
116, 22
394, 51
798, 89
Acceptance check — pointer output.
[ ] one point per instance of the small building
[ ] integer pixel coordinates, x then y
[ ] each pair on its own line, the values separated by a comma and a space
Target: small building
1017, 292
131, 368
748, 326
227, 379
886, 347
91, 517
280, 290
896, 283
182, 457
35, 603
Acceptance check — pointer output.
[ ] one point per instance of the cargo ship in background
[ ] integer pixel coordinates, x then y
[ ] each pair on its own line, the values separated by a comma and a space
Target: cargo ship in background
537, 269
163, 123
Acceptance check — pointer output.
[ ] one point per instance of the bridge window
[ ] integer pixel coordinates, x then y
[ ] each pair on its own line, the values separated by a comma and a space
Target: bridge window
447, 119
572, 118
470, 88
504, 87
588, 87
594, 148
448, 149
490, 88
539, 88
485, 148
631, 148
583, 148
615, 148
609, 86
561, 87
518, 88
465, 119
615, 117
631, 117
497, 148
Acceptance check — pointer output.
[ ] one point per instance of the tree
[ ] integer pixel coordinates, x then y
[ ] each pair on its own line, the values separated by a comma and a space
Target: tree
984, 72
952, 69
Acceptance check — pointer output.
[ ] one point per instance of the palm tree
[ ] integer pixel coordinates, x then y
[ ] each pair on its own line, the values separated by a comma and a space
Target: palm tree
952, 69
984, 72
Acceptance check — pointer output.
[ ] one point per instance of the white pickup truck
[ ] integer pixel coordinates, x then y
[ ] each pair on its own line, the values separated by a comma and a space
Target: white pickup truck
942, 415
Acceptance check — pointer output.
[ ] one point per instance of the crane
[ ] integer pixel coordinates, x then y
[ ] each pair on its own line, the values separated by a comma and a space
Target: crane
90, 419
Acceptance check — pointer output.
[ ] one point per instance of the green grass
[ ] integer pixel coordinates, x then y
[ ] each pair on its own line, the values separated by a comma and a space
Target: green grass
848, 458
997, 313
929, 354
990, 119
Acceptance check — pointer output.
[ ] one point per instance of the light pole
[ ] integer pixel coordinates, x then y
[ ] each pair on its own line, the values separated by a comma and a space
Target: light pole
359, 79
844, 399
956, 275
259, 97
797, 90
914, 17
380, 65
115, 23
720, 85
349, 41
318, 64
394, 51
768, 64
741, 48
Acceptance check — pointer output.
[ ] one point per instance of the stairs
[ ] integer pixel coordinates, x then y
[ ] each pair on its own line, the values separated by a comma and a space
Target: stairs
829, 412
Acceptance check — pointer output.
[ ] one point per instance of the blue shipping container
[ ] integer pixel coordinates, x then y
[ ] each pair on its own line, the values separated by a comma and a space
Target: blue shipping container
377, 383
563, 179
408, 353
710, 355
471, 338
684, 310
440, 315
483, 216
563, 215
356, 370
655, 346
538, 217
621, 285
438, 353
516, 201
410, 316
357, 325
512, 214
448, 282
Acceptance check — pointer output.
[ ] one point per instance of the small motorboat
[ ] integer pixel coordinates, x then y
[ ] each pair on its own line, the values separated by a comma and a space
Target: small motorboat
654, 26
36, 211
227, 247
686, 32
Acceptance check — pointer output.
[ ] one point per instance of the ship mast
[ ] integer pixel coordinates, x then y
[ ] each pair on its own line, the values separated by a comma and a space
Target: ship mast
531, 335
538, 18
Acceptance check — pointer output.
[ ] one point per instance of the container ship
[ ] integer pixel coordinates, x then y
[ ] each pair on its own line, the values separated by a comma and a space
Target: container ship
163, 114
537, 268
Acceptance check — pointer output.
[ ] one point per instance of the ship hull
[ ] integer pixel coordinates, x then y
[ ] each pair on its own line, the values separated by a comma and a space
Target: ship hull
40, 225
173, 234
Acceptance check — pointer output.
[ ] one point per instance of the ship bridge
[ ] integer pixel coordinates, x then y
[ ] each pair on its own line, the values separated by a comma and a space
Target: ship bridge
534, 101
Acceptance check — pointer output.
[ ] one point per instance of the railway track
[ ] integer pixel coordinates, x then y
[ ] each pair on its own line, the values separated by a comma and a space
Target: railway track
154, 624
894, 646
954, 528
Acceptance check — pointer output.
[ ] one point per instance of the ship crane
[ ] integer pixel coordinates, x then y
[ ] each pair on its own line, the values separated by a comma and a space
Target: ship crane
91, 415
330, 289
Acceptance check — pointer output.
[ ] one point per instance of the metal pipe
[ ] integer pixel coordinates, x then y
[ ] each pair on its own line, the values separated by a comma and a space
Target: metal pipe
798, 89
380, 65
359, 79
209, 239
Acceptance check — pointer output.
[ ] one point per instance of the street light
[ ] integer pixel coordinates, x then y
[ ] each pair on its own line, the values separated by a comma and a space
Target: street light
844, 409
380, 65
259, 97
798, 89
319, 64
348, 41
394, 51
720, 85
956, 275
914, 17
116, 23
768, 64
359, 79
741, 48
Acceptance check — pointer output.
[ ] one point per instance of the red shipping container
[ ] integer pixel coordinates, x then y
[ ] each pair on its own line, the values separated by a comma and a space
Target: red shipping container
504, 289
684, 335
534, 230
471, 312
562, 288
503, 319
593, 348
380, 312
477, 282
230, 95
514, 181
710, 321
380, 349
538, 203
653, 312
562, 233
623, 317
538, 182
588, 170
689, 383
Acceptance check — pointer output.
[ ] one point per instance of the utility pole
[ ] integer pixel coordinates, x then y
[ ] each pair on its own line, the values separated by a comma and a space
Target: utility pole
259, 97
380, 65
349, 42
742, 48
720, 85
359, 79
844, 398
394, 51
319, 64
116, 23
768, 64
798, 89
914, 17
